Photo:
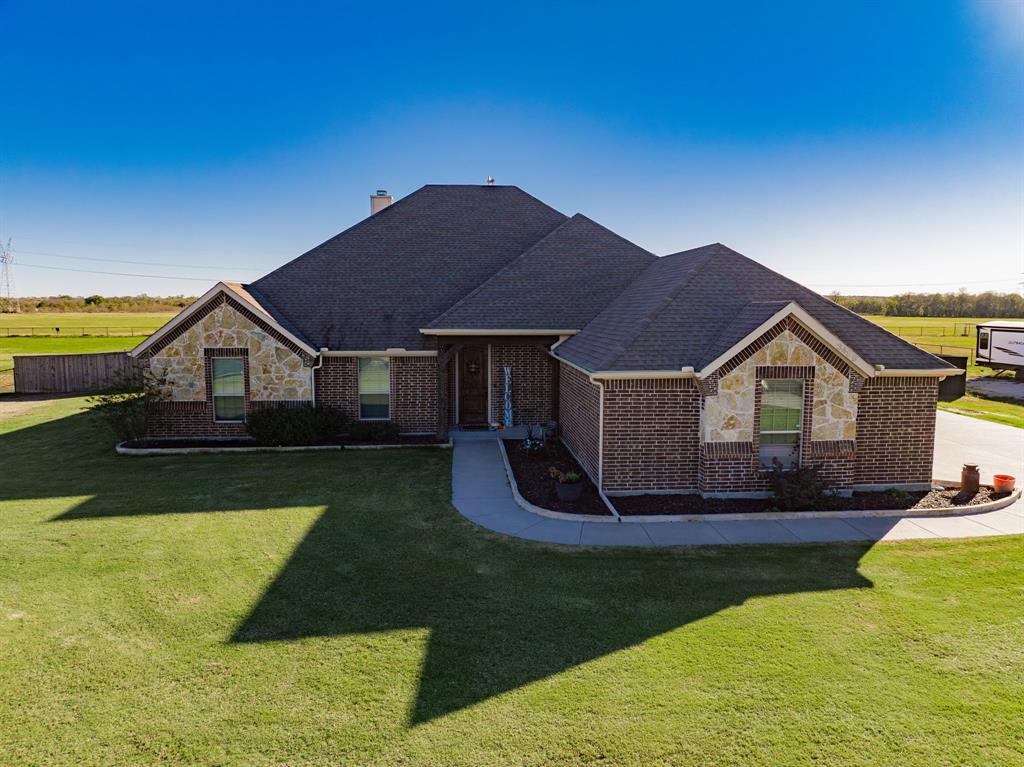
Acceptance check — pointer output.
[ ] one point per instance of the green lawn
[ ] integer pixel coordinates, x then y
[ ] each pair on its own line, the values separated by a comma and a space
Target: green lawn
940, 335
82, 323
333, 608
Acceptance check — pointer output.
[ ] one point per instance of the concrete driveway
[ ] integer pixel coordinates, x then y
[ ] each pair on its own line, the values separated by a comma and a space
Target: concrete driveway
997, 449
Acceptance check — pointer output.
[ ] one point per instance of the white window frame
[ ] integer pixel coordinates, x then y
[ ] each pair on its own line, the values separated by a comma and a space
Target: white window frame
799, 430
213, 390
359, 391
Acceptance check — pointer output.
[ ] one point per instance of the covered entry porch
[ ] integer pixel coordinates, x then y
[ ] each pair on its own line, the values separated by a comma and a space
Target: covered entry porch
472, 391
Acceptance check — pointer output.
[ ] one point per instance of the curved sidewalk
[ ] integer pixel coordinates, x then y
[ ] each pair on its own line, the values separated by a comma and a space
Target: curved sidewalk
481, 493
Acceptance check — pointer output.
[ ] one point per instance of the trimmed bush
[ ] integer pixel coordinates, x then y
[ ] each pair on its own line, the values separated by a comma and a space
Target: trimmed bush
373, 431
799, 489
297, 425
122, 407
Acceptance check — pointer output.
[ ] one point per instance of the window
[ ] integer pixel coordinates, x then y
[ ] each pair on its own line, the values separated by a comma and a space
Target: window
374, 388
983, 340
782, 406
228, 388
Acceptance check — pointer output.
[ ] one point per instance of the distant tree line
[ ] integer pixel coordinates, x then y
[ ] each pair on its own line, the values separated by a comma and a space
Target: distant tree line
97, 303
960, 304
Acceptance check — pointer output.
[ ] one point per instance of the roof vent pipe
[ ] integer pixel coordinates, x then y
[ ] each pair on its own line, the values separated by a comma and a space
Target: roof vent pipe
380, 201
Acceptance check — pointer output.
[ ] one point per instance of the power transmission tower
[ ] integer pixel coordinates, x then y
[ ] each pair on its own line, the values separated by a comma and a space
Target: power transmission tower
8, 301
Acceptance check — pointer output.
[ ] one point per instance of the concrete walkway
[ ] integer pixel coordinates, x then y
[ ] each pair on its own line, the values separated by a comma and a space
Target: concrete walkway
481, 493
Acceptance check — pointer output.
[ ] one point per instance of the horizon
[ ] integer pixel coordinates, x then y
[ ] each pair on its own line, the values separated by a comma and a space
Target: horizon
869, 151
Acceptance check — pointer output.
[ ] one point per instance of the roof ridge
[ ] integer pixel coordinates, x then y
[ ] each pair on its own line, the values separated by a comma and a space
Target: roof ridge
618, 350
518, 259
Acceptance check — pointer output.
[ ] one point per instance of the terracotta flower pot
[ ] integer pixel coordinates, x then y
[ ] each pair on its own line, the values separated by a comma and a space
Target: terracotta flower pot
569, 491
1003, 483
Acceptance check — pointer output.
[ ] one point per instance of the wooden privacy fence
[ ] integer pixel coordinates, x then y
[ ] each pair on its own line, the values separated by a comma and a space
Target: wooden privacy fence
61, 373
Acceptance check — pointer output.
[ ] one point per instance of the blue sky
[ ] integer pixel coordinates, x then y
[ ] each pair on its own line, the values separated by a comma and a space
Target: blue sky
867, 147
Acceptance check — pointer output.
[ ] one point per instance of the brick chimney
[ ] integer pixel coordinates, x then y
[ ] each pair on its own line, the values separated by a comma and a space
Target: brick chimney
380, 200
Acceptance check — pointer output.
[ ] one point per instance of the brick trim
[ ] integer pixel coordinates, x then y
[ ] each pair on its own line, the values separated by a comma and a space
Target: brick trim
209, 354
784, 372
798, 330
649, 384
728, 449
224, 299
833, 448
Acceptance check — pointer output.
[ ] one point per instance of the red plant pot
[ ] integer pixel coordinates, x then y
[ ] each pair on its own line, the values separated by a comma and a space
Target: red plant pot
1003, 483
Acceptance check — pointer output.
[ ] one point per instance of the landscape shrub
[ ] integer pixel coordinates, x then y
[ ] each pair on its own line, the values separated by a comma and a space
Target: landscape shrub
373, 431
799, 489
122, 406
296, 425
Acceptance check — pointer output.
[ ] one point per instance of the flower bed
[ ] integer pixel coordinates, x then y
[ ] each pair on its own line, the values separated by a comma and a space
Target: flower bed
657, 505
536, 485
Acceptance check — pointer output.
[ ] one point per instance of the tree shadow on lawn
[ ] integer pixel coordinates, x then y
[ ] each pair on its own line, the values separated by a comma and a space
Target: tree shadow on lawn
389, 552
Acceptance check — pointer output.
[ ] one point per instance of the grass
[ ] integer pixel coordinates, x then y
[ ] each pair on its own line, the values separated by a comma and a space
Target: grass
996, 409
334, 609
945, 335
79, 323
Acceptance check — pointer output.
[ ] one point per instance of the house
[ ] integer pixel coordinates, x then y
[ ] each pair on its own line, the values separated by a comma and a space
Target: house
692, 372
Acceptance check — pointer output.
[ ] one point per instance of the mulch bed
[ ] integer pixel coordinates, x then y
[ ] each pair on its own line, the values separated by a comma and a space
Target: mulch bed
636, 505
425, 439
536, 486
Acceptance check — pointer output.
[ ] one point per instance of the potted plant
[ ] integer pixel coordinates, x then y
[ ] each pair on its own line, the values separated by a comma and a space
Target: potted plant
568, 484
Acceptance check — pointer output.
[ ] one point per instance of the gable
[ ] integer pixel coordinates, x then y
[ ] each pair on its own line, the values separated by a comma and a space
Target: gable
729, 413
687, 309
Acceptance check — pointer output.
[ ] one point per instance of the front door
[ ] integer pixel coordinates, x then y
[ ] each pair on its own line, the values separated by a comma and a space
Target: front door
473, 384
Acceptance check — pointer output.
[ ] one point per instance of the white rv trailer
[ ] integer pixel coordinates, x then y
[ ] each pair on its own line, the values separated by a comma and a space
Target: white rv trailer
1000, 345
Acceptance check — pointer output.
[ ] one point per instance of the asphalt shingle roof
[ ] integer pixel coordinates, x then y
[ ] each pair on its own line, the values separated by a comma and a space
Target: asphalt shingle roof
481, 257
562, 282
375, 285
687, 308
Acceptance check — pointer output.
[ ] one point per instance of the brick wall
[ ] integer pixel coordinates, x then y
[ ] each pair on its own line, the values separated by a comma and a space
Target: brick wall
187, 418
413, 389
337, 384
896, 430
194, 418
651, 434
579, 408
532, 371
414, 393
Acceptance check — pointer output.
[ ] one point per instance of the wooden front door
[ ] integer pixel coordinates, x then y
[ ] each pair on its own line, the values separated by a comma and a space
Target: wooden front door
473, 384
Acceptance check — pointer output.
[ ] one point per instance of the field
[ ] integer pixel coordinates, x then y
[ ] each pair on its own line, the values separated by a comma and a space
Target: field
37, 333
82, 323
941, 335
312, 609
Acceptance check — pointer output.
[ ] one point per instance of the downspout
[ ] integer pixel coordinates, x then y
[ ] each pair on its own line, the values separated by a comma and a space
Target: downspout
600, 451
312, 374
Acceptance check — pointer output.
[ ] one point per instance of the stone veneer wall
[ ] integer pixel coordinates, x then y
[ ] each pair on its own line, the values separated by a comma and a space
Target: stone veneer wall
896, 431
413, 389
276, 372
579, 409
651, 434
729, 416
532, 371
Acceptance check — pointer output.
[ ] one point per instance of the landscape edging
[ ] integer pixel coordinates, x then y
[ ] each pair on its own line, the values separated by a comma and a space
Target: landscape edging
538, 510
124, 450
953, 511
765, 515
